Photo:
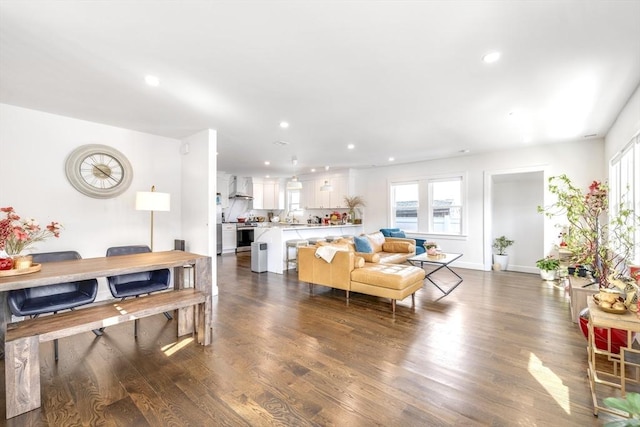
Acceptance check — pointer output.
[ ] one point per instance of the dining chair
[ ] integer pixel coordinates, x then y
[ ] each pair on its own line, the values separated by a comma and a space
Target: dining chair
137, 284
33, 302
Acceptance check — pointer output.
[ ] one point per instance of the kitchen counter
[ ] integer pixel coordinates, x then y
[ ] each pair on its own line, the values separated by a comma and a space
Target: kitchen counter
276, 236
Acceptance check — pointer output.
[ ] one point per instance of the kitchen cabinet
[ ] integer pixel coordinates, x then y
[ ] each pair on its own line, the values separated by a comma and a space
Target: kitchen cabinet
222, 187
267, 194
312, 198
228, 238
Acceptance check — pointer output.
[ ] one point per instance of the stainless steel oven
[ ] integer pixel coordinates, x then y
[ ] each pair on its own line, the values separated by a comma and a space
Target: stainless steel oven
244, 237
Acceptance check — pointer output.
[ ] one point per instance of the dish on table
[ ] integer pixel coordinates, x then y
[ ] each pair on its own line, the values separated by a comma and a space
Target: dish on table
610, 309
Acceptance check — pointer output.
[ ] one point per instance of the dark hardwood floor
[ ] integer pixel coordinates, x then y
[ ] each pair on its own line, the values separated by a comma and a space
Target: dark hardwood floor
500, 350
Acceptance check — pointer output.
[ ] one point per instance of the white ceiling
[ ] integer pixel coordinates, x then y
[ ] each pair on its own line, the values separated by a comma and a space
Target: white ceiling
400, 79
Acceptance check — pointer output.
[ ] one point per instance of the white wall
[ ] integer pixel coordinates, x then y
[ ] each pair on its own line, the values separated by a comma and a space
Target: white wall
33, 149
625, 127
198, 182
580, 160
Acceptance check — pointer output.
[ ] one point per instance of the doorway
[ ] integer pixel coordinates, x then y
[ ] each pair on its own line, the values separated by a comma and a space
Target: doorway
511, 205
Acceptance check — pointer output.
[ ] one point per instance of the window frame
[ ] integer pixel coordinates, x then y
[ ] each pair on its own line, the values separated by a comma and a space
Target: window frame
425, 202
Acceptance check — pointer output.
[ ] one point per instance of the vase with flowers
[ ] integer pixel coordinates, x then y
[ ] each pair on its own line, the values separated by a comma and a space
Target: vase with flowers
431, 248
18, 234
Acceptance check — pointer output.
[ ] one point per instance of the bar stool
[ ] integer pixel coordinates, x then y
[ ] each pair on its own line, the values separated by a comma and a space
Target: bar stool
314, 240
295, 244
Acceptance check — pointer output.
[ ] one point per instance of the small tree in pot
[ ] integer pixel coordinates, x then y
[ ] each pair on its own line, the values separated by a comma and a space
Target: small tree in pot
501, 258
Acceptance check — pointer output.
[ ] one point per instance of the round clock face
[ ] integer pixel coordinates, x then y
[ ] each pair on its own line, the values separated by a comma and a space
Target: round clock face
98, 171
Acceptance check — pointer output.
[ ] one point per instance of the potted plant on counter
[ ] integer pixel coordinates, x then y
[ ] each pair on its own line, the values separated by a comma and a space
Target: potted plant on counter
548, 267
501, 258
354, 203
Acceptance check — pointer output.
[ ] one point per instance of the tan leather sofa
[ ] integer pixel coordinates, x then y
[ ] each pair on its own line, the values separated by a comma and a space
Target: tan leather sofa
388, 250
349, 271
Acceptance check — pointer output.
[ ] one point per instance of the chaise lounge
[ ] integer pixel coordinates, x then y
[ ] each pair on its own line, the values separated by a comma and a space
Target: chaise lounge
348, 271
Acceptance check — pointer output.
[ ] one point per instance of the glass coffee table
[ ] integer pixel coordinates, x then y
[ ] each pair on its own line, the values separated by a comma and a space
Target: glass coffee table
441, 261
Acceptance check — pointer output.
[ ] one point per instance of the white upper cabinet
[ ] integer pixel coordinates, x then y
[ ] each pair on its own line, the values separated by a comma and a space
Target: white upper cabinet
267, 194
312, 197
222, 187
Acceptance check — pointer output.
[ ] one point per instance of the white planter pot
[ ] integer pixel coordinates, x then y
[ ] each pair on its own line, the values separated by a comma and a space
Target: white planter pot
548, 274
501, 260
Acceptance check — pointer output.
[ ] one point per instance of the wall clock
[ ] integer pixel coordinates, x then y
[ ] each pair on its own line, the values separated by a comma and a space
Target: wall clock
98, 171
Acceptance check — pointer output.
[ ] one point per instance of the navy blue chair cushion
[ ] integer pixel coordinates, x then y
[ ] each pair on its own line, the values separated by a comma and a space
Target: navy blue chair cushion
52, 298
134, 284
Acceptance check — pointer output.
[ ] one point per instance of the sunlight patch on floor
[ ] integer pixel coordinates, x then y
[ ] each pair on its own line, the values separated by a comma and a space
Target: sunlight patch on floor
170, 349
550, 381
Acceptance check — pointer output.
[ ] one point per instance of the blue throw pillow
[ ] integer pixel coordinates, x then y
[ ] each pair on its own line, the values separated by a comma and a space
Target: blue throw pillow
363, 244
397, 234
386, 232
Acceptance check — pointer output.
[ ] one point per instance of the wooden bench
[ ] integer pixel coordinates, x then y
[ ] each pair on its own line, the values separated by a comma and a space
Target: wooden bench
22, 362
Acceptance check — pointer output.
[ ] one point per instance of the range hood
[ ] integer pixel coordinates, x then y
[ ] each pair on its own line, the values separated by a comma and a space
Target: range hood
241, 188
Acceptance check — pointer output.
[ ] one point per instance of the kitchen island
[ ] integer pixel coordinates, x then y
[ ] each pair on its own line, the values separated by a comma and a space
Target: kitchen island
276, 236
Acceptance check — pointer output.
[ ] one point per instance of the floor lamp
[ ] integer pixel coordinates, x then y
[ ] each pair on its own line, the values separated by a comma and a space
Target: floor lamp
152, 201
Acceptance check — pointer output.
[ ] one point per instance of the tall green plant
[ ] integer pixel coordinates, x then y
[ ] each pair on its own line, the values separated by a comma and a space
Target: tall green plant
596, 237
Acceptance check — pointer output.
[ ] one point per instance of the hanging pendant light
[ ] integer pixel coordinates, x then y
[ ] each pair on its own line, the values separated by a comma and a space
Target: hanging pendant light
326, 186
294, 184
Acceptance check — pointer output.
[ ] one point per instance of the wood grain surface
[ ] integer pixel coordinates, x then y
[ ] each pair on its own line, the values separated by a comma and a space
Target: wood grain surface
499, 351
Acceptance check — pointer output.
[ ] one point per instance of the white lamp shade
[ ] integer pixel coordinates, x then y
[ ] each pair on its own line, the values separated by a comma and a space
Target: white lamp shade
294, 184
326, 187
152, 201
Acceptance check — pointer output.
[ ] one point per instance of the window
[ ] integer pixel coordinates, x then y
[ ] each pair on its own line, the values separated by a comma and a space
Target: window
405, 206
445, 206
432, 205
294, 200
624, 183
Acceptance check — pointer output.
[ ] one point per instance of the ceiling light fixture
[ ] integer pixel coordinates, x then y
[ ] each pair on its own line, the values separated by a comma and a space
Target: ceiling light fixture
267, 162
491, 57
391, 159
284, 125
152, 80
351, 146
294, 184
326, 186
326, 168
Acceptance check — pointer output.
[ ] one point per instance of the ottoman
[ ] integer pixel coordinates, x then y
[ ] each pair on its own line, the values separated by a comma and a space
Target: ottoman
394, 281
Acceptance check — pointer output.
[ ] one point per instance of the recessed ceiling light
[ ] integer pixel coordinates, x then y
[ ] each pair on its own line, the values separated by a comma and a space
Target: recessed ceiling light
313, 169
267, 176
326, 168
284, 125
152, 80
491, 57
267, 162
391, 159
351, 146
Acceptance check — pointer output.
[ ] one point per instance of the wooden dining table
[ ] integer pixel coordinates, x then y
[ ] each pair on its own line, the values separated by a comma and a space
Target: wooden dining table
91, 268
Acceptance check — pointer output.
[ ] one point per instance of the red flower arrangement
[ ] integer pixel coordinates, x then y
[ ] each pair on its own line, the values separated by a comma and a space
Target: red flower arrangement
17, 234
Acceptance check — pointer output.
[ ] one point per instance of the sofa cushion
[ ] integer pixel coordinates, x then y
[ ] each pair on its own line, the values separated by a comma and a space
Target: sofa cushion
397, 234
369, 257
363, 244
393, 257
358, 262
402, 247
386, 232
392, 276
377, 239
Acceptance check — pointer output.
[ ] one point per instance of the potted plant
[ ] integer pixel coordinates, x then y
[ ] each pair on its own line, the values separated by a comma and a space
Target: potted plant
598, 237
630, 405
548, 267
353, 203
501, 258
